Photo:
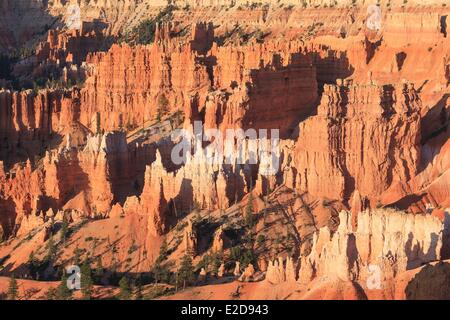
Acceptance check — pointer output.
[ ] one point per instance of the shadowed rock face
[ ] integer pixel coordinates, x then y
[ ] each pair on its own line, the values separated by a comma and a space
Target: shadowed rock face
430, 283
347, 142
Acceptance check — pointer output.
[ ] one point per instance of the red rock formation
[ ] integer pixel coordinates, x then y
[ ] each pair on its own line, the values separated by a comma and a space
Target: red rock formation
219, 241
185, 79
71, 47
190, 239
276, 272
156, 70
359, 138
430, 186
21, 196
376, 244
248, 274
152, 205
28, 119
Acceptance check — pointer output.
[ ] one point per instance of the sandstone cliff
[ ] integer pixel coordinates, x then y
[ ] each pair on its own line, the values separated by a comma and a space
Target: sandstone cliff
362, 116
388, 241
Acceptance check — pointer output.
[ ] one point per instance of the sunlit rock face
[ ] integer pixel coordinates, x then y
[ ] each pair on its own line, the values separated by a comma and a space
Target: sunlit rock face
386, 240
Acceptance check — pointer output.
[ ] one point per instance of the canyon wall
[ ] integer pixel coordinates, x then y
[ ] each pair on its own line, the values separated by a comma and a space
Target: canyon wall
229, 85
360, 136
363, 121
362, 139
389, 241
72, 47
383, 247
30, 120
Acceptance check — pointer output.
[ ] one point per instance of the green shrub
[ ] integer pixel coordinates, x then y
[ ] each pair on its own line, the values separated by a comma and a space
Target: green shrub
260, 239
144, 33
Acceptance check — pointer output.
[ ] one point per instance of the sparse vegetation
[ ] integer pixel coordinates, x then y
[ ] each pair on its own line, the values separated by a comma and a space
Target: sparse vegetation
144, 33
237, 33
244, 256
160, 272
156, 292
259, 36
77, 256
180, 226
260, 239
186, 271
99, 270
86, 281
52, 294
33, 264
12, 288
63, 292
64, 229
125, 291
210, 262
51, 249
250, 220
216, 261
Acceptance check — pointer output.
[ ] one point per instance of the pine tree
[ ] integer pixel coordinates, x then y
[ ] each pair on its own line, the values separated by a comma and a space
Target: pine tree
215, 262
63, 291
186, 272
249, 217
164, 249
52, 294
247, 258
32, 264
125, 292
176, 279
77, 256
12, 288
157, 271
99, 271
51, 249
86, 281
64, 229
162, 109
138, 287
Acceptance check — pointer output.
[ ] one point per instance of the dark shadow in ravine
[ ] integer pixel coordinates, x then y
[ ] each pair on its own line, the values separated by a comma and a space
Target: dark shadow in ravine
359, 291
183, 203
414, 249
7, 217
434, 131
432, 282
34, 18
280, 95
